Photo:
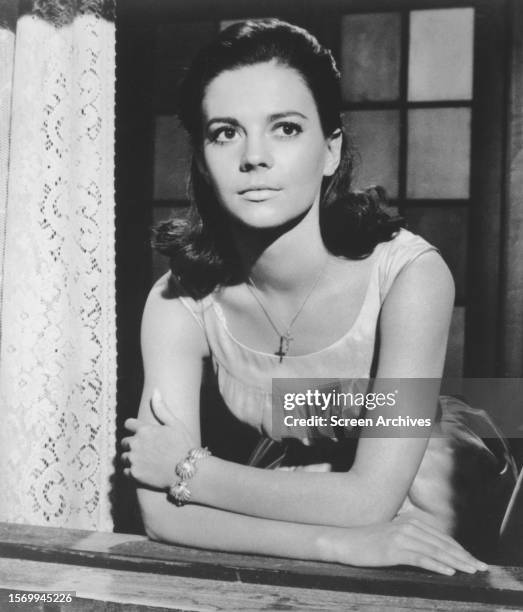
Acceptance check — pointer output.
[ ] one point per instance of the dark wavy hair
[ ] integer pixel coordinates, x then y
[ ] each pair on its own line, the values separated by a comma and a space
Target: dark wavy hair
199, 245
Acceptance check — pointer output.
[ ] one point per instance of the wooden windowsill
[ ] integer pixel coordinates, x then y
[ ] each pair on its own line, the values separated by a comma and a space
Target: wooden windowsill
138, 557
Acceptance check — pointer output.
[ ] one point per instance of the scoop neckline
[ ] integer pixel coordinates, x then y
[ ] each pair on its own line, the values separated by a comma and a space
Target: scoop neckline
223, 322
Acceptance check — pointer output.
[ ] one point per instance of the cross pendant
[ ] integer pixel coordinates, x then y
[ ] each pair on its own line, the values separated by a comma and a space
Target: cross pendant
285, 342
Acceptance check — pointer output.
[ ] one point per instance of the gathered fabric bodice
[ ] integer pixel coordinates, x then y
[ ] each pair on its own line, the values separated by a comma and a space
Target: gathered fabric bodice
245, 375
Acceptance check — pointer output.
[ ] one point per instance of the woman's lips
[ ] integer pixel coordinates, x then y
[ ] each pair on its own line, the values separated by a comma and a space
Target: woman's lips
258, 194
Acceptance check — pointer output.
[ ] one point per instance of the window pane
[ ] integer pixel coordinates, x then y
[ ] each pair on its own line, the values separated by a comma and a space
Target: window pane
438, 153
440, 54
456, 343
172, 155
446, 228
375, 136
370, 56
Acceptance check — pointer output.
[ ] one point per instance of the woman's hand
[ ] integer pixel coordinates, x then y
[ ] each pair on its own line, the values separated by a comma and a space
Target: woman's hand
402, 541
151, 454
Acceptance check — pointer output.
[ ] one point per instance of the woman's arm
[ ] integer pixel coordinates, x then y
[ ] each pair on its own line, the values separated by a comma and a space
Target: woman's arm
400, 542
414, 328
173, 348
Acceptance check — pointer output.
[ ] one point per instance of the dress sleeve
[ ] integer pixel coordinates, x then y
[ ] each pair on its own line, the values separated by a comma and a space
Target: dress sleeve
399, 253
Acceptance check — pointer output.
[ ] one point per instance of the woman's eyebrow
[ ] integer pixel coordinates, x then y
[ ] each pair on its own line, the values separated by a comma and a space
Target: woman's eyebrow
230, 120
271, 118
284, 114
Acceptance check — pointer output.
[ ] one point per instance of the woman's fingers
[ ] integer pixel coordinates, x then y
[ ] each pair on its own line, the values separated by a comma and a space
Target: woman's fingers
428, 563
434, 537
126, 443
415, 544
436, 532
447, 558
409, 550
132, 425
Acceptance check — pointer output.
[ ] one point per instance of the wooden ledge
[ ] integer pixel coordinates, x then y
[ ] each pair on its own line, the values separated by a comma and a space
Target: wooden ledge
500, 585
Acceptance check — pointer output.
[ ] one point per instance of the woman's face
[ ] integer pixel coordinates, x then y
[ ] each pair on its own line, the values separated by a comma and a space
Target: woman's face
264, 150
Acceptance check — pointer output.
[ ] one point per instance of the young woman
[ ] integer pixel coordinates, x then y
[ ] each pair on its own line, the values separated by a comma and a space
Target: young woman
281, 272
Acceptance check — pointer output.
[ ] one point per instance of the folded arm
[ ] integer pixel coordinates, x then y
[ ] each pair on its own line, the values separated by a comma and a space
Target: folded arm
231, 498
414, 327
400, 542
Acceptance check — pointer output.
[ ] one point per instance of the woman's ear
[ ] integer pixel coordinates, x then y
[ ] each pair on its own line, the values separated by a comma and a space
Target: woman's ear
332, 159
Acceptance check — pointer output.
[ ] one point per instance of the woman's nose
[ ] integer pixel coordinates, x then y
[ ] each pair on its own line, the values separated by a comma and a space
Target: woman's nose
256, 153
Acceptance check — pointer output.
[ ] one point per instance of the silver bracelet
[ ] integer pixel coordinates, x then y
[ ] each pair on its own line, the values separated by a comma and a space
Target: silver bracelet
185, 470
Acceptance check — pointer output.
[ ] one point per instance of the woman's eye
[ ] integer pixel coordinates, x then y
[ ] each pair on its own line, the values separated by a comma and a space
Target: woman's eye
288, 129
224, 134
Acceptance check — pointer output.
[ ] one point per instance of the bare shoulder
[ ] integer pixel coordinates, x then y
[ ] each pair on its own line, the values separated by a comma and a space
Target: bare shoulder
168, 322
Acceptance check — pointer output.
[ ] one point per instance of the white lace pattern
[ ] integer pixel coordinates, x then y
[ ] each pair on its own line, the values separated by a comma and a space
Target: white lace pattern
57, 295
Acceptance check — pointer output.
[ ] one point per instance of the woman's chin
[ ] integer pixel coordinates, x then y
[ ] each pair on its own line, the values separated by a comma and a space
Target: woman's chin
268, 220
267, 226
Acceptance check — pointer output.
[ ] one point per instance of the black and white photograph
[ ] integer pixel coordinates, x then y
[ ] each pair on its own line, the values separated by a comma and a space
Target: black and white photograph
261, 305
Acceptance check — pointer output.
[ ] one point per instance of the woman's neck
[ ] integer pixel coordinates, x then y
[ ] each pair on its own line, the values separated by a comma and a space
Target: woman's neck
285, 259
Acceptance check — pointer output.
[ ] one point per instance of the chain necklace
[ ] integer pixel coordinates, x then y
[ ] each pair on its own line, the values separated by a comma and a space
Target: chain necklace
285, 338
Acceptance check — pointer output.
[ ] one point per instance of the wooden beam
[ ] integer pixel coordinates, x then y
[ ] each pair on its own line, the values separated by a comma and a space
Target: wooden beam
511, 349
131, 553
488, 131
103, 589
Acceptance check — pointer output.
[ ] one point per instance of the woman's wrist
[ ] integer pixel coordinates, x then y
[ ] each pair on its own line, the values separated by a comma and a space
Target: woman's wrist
341, 544
325, 544
203, 483
181, 486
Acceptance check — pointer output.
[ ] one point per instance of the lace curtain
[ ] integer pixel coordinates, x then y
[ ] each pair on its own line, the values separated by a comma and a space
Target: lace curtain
57, 295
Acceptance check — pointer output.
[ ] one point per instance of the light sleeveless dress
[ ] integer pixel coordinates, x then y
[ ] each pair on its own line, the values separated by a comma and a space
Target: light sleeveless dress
462, 484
